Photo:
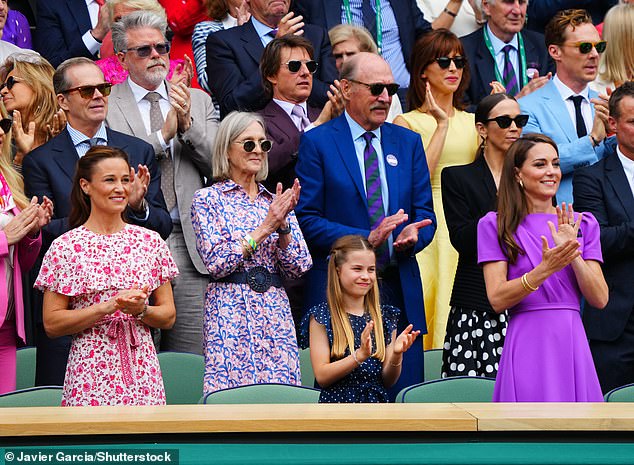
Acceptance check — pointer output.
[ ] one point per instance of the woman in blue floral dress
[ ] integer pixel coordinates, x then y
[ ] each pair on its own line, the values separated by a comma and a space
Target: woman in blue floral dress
248, 238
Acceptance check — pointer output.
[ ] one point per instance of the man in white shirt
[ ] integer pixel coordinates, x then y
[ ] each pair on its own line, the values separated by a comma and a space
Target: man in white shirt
180, 123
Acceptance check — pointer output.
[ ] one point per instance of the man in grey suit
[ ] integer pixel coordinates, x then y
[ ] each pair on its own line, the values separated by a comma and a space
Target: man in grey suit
180, 123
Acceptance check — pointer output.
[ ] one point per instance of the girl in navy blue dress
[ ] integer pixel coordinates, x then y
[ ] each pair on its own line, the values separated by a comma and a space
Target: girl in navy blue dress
354, 349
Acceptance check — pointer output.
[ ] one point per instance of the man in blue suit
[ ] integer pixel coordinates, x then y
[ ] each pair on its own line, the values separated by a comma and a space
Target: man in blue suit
606, 189
566, 109
49, 170
334, 201
233, 57
70, 28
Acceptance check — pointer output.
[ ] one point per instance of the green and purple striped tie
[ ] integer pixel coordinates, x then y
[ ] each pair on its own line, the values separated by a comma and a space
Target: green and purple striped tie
374, 195
509, 76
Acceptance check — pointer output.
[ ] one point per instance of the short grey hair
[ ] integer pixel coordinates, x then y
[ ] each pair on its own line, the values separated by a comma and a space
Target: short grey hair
60, 81
136, 20
229, 130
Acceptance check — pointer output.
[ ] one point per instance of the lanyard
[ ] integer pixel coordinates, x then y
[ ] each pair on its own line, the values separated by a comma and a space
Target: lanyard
522, 54
379, 22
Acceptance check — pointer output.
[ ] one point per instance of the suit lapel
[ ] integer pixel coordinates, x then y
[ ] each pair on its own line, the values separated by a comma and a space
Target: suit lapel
616, 177
79, 11
486, 177
389, 144
65, 154
127, 106
345, 146
251, 42
552, 104
485, 64
276, 116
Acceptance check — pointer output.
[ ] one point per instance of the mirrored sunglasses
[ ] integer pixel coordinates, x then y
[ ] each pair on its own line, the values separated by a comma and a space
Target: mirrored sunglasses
88, 91
458, 60
10, 82
376, 88
504, 121
249, 145
144, 51
295, 65
586, 47
5, 124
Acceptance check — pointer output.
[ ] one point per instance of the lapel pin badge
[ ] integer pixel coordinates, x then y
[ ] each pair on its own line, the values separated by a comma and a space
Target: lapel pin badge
391, 160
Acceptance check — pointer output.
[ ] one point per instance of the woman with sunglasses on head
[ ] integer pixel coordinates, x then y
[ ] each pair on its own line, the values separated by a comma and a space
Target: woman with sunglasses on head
538, 261
20, 240
439, 77
28, 95
248, 238
106, 283
475, 333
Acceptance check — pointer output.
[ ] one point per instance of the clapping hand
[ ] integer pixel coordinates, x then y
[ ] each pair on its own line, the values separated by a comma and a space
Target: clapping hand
405, 340
58, 124
283, 203
44, 214
139, 183
567, 227
366, 342
433, 108
22, 224
290, 24
24, 140
409, 235
132, 301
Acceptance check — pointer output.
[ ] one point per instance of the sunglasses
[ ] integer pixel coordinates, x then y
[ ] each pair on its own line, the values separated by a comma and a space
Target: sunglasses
458, 60
504, 121
295, 65
88, 91
376, 88
586, 47
249, 145
10, 82
144, 51
5, 124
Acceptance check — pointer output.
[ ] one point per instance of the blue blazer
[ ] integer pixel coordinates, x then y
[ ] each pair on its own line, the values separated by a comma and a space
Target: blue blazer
49, 170
233, 60
333, 202
482, 65
548, 115
410, 20
60, 26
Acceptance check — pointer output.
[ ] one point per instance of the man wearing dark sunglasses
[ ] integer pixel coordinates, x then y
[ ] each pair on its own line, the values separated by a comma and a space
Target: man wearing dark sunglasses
180, 123
233, 57
361, 175
504, 52
49, 170
566, 109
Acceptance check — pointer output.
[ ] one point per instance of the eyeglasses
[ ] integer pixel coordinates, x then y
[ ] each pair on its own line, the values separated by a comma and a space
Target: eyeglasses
249, 145
586, 47
376, 88
10, 82
458, 60
144, 51
5, 124
504, 121
88, 91
295, 65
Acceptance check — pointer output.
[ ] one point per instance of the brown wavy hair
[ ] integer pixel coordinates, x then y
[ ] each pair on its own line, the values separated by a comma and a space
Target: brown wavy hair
555, 31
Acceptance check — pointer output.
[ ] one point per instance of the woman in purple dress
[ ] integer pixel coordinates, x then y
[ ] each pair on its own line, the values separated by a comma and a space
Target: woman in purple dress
538, 261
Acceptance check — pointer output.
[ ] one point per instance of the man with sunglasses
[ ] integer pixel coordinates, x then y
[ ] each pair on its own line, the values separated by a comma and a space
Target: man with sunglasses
566, 109
606, 189
180, 123
361, 175
49, 169
233, 57
504, 52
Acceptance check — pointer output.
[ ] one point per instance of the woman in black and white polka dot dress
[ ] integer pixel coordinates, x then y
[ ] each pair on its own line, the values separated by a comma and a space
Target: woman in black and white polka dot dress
475, 333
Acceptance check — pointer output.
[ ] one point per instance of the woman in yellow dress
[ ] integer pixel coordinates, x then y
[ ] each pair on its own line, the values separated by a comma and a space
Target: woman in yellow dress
439, 77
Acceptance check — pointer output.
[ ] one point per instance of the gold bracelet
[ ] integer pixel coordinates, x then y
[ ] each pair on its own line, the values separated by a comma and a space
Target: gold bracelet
526, 285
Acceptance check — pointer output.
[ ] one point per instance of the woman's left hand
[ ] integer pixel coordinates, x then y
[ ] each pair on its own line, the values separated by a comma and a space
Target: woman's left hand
24, 141
567, 227
132, 301
405, 340
433, 108
44, 214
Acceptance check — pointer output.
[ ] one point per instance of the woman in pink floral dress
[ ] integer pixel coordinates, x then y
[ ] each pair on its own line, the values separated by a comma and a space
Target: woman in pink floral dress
97, 280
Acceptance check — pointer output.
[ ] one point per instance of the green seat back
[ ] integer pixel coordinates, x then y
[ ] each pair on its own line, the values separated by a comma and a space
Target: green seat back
264, 394
182, 376
25, 368
433, 364
448, 390
621, 394
42, 396
308, 377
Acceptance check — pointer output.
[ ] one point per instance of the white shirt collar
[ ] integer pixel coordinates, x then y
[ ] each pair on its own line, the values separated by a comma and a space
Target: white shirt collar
357, 131
628, 165
288, 106
140, 92
498, 44
566, 92
261, 28
229, 21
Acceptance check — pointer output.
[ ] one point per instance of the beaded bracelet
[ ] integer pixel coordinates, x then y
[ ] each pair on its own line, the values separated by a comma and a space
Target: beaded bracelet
252, 243
354, 356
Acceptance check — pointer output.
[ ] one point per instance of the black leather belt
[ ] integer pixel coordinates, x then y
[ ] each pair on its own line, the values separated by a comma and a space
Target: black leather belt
257, 278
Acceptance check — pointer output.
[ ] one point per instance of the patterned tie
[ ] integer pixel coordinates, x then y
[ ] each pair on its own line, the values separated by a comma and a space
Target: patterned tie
508, 76
301, 121
581, 125
166, 164
374, 195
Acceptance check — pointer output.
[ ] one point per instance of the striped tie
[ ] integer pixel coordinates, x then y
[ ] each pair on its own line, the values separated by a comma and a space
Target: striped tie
508, 76
374, 195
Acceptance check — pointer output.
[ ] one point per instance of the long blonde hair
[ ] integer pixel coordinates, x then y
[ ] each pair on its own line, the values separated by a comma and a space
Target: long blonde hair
13, 178
617, 62
343, 337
